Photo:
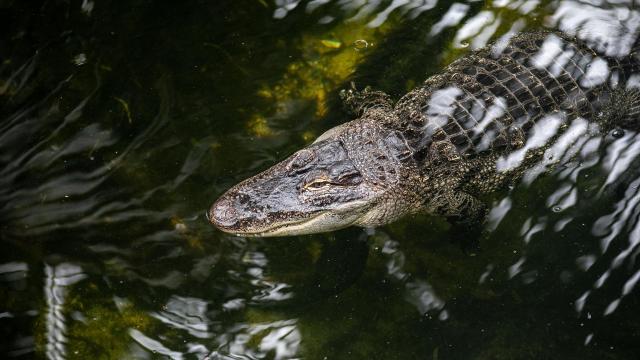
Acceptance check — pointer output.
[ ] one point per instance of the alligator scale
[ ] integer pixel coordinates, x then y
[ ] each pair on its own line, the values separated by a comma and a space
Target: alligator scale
466, 132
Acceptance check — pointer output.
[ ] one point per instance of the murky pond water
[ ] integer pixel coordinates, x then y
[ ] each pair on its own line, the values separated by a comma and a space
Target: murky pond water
121, 122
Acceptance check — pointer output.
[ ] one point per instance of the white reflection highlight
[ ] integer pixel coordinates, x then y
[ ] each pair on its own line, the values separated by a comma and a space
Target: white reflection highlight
153, 345
285, 341
280, 337
283, 7
624, 217
523, 6
274, 292
612, 307
234, 304
516, 268
485, 274
12, 271
200, 350
426, 5
560, 224
498, 212
269, 290
550, 50
563, 198
560, 61
529, 230
633, 82
597, 73
422, 295
579, 303
57, 279
187, 314
610, 27
478, 29
588, 339
619, 156
382, 16
585, 262
314, 4
611, 225
376, 12
631, 283
602, 279
418, 292
495, 111
541, 132
452, 17
502, 42
87, 6
441, 106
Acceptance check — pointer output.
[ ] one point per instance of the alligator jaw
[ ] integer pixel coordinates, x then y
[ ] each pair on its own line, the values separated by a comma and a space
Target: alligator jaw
317, 222
217, 213
307, 226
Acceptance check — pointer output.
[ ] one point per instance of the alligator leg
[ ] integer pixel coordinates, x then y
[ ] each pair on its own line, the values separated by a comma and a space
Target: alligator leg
466, 214
358, 102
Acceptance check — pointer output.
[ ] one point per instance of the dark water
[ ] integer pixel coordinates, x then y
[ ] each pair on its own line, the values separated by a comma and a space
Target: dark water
121, 122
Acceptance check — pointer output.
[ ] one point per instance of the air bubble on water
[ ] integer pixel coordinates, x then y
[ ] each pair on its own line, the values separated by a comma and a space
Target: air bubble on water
556, 209
464, 44
360, 44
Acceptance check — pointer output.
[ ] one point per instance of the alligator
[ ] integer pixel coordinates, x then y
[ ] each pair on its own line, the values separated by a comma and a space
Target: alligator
465, 133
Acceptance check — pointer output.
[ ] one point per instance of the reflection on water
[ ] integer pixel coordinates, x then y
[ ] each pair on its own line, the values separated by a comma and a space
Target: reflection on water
281, 339
187, 314
418, 292
121, 123
57, 279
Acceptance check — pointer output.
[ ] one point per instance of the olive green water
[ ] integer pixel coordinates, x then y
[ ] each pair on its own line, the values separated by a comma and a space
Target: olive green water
121, 122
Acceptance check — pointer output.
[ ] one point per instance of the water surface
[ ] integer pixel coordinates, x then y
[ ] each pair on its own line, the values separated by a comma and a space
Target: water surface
122, 122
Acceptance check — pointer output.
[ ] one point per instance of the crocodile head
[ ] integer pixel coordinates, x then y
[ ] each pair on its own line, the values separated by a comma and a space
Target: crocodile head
346, 177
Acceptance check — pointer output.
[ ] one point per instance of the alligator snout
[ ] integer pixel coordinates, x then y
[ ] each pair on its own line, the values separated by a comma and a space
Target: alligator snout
223, 214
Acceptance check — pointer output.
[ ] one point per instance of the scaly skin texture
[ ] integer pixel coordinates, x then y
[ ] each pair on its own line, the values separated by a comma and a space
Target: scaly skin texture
466, 132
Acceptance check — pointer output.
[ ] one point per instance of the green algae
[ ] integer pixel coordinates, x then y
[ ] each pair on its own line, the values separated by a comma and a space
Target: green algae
96, 327
326, 60
106, 336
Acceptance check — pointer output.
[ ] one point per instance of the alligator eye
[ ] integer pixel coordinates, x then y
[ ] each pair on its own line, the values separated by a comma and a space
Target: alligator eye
317, 184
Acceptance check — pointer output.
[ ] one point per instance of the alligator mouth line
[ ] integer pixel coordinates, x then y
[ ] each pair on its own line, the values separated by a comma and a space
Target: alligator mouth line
273, 231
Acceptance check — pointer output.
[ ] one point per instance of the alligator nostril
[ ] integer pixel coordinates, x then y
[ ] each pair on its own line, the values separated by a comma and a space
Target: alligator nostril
222, 213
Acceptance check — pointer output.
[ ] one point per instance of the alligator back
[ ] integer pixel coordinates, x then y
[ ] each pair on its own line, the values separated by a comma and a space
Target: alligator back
490, 100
